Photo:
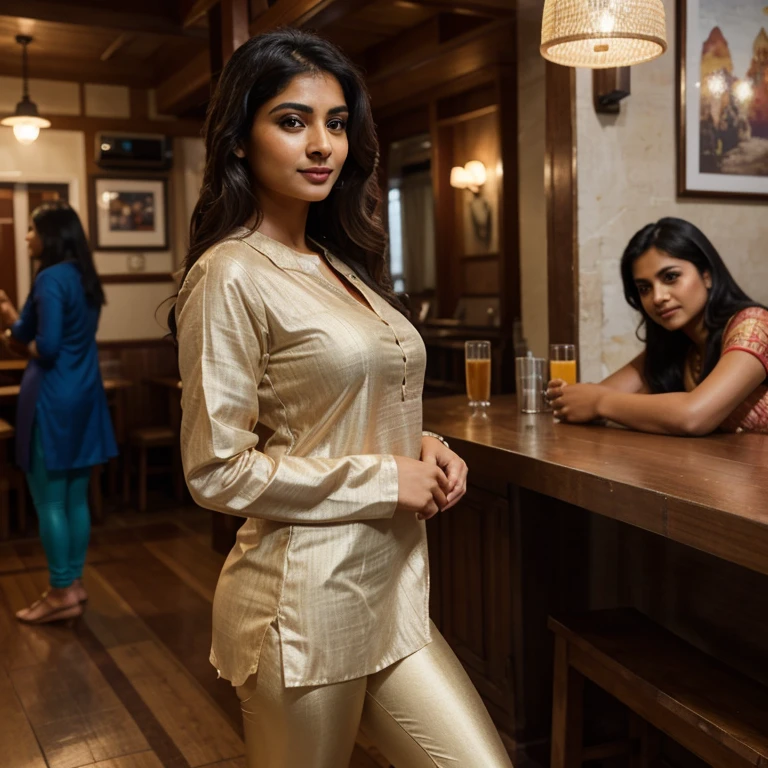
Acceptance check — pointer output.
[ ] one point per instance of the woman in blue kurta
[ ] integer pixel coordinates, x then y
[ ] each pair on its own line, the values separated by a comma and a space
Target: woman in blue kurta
63, 423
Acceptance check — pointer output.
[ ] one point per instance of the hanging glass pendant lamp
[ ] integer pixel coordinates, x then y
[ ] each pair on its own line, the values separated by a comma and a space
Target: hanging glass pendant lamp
603, 33
25, 121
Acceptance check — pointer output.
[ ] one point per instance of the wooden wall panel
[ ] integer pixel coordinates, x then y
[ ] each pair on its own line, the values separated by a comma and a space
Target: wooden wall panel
481, 277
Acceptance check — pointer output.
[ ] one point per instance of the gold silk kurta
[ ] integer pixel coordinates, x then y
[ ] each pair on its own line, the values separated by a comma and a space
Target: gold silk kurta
265, 339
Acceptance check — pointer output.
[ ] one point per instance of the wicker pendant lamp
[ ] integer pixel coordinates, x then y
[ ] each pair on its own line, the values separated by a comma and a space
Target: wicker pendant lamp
603, 33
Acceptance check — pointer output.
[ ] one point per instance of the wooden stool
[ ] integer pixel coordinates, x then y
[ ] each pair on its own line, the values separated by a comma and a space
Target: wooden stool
144, 439
710, 709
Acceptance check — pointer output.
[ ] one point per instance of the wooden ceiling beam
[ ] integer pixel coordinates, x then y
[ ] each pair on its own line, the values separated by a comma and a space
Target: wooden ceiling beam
106, 124
114, 72
198, 9
186, 88
99, 16
458, 58
299, 13
424, 44
116, 45
190, 86
463, 7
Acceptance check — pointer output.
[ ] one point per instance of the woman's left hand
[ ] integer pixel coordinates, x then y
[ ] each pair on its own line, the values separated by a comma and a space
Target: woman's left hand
575, 403
434, 452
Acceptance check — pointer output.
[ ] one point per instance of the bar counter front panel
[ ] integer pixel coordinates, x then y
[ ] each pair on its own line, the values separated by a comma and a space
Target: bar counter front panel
560, 518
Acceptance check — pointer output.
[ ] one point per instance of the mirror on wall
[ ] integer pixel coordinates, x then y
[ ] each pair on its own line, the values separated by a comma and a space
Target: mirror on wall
411, 217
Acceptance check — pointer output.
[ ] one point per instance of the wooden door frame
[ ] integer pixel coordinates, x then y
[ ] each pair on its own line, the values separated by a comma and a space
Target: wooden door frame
560, 182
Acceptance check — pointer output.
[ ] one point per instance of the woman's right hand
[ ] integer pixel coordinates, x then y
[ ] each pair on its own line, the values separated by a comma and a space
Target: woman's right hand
8, 313
422, 487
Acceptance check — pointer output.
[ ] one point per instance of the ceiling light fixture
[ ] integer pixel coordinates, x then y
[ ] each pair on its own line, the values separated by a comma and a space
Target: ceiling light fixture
599, 34
25, 121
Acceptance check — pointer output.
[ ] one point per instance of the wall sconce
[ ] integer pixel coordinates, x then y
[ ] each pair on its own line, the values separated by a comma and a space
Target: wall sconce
472, 176
609, 87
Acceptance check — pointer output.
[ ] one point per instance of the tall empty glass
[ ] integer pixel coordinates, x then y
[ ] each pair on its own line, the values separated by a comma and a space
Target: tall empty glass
477, 360
562, 362
530, 378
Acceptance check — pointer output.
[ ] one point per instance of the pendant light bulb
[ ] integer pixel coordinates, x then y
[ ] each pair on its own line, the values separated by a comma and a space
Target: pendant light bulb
25, 121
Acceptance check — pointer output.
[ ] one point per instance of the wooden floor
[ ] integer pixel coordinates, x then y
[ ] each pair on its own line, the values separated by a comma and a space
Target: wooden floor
128, 685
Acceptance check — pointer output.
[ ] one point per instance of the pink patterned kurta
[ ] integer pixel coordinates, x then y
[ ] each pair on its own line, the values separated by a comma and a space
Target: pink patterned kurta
747, 331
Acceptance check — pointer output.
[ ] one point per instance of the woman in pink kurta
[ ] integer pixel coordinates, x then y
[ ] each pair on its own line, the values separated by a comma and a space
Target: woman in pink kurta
705, 364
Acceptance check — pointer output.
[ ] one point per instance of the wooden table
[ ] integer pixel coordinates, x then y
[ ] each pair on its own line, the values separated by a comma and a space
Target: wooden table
709, 493
13, 365
561, 518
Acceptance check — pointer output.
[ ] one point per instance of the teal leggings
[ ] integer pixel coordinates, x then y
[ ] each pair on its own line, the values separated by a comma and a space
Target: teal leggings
61, 501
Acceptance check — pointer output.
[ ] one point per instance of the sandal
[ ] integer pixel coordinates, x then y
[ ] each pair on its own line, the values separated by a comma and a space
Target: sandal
60, 613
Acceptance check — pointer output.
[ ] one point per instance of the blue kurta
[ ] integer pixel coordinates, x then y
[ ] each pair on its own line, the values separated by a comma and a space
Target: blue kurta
62, 389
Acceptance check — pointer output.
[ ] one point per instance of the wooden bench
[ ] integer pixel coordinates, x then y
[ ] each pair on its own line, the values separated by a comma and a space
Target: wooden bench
704, 705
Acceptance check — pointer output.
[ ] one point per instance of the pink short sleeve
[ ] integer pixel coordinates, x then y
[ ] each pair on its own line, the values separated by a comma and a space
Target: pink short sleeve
748, 332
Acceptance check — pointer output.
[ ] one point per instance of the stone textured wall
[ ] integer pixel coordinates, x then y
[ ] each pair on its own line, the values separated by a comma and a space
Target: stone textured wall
627, 178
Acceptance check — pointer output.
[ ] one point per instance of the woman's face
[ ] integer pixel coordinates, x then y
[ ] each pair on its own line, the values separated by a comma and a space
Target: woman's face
673, 291
298, 140
34, 243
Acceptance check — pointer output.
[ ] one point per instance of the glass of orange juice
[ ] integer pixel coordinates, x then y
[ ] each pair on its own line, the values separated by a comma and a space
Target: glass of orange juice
562, 362
477, 360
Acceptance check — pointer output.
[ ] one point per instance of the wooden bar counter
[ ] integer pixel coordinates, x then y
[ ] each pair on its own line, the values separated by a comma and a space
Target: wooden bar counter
562, 518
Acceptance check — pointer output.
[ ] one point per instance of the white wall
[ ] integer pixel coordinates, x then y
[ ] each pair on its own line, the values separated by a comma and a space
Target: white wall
60, 157
627, 178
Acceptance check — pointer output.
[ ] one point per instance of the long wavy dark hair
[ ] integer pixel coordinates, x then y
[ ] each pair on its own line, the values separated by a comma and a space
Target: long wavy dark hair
666, 351
63, 239
347, 221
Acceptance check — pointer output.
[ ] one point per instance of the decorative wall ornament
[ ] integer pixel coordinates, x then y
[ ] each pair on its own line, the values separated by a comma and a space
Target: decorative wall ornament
723, 98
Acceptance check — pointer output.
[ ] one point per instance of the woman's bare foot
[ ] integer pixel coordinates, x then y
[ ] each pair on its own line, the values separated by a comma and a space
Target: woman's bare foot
82, 595
54, 605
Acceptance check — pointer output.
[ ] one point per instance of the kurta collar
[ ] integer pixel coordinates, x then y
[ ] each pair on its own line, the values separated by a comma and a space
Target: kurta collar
280, 255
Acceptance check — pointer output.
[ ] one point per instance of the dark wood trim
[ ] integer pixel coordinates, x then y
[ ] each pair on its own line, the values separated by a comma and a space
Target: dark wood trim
463, 7
509, 208
234, 26
482, 48
560, 185
95, 15
97, 124
297, 13
136, 277
466, 116
114, 344
188, 87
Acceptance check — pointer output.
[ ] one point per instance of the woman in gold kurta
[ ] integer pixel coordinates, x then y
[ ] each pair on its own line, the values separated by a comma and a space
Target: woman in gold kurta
302, 412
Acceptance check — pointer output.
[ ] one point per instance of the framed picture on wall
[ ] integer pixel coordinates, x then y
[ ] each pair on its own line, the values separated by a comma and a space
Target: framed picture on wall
723, 98
129, 213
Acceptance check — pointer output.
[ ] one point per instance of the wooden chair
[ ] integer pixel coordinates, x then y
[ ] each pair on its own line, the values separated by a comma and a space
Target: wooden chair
144, 439
704, 705
11, 478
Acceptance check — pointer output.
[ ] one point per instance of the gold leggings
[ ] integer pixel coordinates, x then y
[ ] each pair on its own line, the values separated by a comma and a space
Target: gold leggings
420, 712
